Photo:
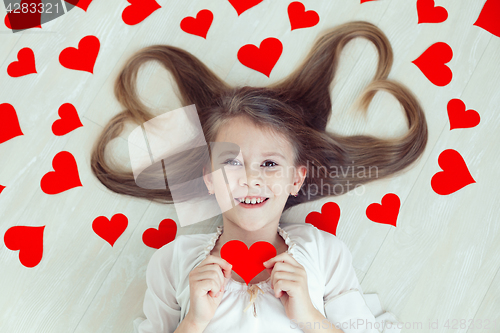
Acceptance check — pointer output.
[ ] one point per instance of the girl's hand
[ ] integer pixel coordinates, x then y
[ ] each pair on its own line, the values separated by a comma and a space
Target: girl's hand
289, 281
206, 285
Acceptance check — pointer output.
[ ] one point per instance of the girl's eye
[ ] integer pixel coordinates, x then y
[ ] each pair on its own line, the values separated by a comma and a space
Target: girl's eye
229, 161
271, 162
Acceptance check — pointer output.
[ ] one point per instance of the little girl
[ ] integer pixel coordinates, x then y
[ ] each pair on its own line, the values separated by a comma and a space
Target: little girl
310, 285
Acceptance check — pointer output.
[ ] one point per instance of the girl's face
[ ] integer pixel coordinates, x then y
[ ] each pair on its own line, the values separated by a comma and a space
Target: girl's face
257, 164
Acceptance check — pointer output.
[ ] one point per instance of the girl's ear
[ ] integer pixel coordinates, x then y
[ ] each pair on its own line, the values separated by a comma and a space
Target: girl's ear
207, 178
300, 177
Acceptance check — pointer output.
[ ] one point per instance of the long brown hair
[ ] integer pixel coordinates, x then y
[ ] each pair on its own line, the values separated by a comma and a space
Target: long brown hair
297, 106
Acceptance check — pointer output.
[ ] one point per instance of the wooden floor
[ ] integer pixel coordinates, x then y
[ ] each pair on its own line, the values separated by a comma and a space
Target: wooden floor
439, 265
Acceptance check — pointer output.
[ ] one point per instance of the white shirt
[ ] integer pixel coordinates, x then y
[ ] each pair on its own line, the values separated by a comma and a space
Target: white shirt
333, 287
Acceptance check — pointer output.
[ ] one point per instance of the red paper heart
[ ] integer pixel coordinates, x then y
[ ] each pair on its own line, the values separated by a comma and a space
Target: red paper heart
432, 63
138, 11
427, 13
454, 176
83, 4
156, 238
29, 242
82, 58
300, 18
362, 1
69, 120
108, 230
198, 26
242, 5
17, 20
25, 64
247, 263
1, 188
262, 58
489, 16
387, 212
9, 124
459, 117
64, 177
327, 220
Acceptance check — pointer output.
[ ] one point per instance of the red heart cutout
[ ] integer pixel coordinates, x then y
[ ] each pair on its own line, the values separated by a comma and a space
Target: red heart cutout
387, 212
25, 64
108, 230
69, 120
432, 63
362, 1
9, 124
1, 188
157, 238
455, 174
262, 58
327, 220
64, 177
427, 13
138, 11
82, 58
242, 5
83, 4
300, 18
247, 263
198, 26
459, 118
17, 20
29, 242
488, 18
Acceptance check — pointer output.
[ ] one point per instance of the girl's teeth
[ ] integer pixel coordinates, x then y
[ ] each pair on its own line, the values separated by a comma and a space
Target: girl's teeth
253, 201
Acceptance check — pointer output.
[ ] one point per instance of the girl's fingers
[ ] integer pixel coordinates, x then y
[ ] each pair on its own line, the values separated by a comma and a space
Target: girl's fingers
208, 286
276, 276
283, 257
214, 274
212, 267
283, 286
224, 265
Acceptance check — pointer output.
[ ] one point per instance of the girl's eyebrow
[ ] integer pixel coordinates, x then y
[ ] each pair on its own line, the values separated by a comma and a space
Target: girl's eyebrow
273, 154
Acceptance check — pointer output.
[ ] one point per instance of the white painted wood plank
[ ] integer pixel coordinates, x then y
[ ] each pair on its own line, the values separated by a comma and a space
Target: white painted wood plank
442, 259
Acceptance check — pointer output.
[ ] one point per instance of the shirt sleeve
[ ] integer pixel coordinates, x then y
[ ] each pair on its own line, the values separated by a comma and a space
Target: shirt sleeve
344, 304
160, 303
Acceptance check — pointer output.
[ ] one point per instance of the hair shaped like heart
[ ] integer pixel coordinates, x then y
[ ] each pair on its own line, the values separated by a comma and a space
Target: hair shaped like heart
298, 106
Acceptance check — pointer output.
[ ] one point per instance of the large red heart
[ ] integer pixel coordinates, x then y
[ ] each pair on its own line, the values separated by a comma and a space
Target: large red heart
83, 4
9, 124
17, 20
432, 63
64, 177
459, 117
1, 188
25, 64
138, 11
454, 176
327, 220
198, 26
427, 13
242, 5
108, 230
488, 18
247, 263
82, 58
300, 18
165, 233
387, 212
262, 58
68, 122
29, 242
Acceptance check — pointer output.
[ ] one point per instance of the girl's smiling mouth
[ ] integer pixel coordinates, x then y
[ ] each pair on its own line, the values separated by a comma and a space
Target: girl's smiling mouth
253, 203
